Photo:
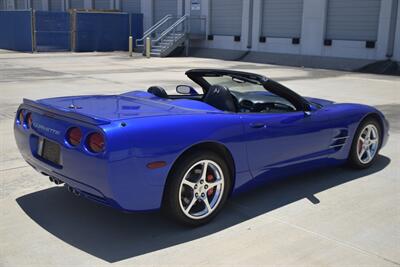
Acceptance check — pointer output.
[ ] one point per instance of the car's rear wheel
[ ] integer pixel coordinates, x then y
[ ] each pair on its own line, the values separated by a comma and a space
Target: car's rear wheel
197, 188
366, 144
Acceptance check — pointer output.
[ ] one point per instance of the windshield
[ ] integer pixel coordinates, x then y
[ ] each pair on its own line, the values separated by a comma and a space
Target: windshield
236, 84
244, 89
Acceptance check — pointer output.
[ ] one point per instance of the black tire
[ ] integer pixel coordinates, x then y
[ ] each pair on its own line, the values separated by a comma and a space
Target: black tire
171, 202
353, 160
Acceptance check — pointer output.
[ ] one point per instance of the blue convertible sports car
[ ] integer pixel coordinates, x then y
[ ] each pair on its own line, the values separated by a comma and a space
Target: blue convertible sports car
186, 153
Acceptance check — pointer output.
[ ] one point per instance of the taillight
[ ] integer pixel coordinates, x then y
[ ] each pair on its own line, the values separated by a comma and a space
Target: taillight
95, 142
74, 136
21, 117
29, 120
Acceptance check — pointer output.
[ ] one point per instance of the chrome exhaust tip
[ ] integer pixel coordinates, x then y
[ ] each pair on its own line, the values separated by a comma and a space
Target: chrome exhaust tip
70, 189
73, 191
55, 180
58, 182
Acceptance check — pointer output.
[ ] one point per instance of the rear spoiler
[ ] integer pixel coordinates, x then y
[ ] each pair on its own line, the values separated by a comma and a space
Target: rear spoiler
63, 112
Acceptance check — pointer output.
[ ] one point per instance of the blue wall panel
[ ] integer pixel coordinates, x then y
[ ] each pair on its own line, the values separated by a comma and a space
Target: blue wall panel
53, 32
16, 30
101, 32
136, 27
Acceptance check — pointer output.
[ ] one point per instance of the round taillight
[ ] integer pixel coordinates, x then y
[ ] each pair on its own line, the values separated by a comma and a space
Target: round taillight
74, 136
21, 118
95, 142
29, 120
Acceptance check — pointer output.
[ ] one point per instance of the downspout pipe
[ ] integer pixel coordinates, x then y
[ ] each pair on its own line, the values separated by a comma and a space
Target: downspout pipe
392, 29
250, 28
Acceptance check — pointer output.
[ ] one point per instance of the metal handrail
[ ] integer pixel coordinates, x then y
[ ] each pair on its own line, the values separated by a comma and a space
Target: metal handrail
154, 28
172, 28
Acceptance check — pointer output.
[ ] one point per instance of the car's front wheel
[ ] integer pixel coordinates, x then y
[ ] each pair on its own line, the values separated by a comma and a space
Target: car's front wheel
198, 187
366, 144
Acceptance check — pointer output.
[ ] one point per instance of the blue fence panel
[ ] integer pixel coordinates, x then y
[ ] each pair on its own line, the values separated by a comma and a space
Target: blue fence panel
53, 31
16, 30
136, 26
101, 32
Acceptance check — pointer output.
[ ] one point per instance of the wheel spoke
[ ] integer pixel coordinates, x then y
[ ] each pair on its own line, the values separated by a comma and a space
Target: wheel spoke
373, 141
205, 200
369, 154
189, 207
188, 183
214, 184
362, 152
369, 130
204, 171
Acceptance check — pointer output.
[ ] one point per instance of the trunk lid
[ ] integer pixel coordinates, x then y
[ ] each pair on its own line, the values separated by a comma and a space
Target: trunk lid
101, 109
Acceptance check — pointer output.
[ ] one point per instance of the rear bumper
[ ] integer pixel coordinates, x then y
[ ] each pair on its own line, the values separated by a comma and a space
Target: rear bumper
81, 189
106, 180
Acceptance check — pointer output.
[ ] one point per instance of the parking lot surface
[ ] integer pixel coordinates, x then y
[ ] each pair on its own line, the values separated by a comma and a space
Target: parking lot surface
331, 217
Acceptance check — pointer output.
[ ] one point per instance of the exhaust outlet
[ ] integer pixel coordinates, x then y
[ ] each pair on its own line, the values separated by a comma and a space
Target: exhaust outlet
70, 189
55, 180
58, 182
74, 191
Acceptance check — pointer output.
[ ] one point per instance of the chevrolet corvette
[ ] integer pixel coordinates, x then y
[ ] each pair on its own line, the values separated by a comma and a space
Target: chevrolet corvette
187, 152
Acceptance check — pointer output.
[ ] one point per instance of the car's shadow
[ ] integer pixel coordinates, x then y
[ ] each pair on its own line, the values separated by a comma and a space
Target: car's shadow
114, 236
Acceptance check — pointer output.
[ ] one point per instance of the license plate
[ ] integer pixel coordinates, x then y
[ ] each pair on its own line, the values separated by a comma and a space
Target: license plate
50, 151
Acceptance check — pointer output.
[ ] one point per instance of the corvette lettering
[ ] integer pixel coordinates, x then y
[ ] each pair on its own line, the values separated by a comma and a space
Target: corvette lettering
46, 129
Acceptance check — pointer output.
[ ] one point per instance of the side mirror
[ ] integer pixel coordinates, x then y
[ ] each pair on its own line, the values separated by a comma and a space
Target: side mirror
309, 109
185, 90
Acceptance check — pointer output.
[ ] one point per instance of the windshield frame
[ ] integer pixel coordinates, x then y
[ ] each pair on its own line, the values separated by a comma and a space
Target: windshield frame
199, 77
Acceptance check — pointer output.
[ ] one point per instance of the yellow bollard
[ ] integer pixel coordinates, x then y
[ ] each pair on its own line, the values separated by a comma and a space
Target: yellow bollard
130, 46
148, 47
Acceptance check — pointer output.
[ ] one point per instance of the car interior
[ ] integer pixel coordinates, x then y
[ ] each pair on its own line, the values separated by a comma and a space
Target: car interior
231, 93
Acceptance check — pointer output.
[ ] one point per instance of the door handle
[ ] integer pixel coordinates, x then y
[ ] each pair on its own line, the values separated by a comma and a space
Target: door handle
258, 125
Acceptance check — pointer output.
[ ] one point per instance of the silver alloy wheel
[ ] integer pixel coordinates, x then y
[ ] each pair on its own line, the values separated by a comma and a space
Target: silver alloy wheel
201, 189
367, 144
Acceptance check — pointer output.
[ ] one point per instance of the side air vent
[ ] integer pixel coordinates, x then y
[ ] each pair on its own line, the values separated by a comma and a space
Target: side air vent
339, 139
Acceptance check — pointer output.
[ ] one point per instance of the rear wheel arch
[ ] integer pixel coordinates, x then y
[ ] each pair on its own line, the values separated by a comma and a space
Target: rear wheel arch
215, 147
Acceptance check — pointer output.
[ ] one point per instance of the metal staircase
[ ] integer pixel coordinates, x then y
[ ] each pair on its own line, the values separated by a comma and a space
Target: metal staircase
167, 34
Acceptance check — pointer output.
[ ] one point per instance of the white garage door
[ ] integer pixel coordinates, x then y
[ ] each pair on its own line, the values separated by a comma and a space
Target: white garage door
226, 17
282, 18
165, 7
101, 4
131, 6
55, 5
76, 4
20, 4
37, 4
353, 20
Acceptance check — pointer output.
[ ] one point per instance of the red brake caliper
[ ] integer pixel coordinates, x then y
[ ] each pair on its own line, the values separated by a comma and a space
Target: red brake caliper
210, 178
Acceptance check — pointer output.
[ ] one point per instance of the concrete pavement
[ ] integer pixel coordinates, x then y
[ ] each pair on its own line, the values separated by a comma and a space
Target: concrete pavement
331, 217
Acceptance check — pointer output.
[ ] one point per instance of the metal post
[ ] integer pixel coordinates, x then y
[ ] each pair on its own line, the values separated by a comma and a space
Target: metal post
33, 30
73, 30
148, 47
130, 46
